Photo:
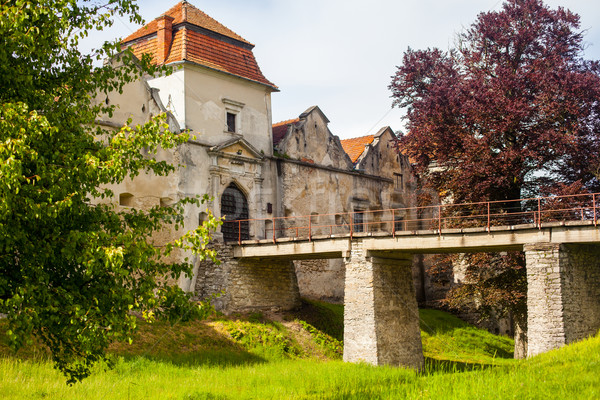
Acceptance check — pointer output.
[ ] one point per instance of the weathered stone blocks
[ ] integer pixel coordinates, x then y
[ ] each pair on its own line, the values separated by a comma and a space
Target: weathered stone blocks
381, 318
247, 285
262, 285
321, 279
563, 294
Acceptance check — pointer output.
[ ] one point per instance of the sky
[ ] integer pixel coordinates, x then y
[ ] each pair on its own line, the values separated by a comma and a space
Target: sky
341, 54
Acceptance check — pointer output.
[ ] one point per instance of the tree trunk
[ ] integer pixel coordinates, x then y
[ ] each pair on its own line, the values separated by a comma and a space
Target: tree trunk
520, 327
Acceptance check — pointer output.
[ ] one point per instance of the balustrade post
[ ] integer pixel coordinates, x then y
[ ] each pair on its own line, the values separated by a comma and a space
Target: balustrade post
439, 219
594, 207
539, 213
488, 216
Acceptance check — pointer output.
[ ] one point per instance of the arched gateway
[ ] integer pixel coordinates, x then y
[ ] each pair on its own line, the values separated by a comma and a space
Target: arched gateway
234, 207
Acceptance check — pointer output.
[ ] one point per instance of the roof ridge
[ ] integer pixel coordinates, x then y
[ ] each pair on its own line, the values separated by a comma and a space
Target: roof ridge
184, 5
286, 122
184, 40
358, 137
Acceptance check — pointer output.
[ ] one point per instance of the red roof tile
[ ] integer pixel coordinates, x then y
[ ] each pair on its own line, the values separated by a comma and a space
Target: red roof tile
209, 50
281, 128
356, 146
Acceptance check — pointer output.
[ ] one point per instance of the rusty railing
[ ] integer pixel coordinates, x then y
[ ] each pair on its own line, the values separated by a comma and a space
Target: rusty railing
533, 211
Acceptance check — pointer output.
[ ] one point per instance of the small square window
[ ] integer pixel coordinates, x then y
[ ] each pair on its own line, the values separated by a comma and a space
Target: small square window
126, 199
231, 122
399, 224
358, 221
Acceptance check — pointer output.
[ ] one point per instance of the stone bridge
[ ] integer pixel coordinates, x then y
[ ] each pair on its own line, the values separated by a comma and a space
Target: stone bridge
558, 234
381, 323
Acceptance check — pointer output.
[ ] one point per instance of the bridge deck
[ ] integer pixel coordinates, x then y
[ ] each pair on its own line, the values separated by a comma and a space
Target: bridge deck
460, 240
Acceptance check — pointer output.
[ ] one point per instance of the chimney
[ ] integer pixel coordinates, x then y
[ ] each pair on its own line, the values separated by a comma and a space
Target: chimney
164, 35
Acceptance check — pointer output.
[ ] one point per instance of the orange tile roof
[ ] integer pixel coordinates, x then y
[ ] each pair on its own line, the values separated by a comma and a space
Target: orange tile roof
356, 146
185, 12
204, 49
280, 129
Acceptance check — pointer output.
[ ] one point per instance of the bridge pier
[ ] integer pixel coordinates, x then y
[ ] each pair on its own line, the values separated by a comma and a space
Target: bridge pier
563, 294
381, 318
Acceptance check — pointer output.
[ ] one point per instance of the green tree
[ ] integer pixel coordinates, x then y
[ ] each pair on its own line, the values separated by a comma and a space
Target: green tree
73, 273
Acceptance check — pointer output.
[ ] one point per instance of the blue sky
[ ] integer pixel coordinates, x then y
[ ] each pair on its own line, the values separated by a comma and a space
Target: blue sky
340, 54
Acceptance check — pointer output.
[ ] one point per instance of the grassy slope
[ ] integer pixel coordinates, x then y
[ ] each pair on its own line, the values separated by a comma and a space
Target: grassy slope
256, 358
447, 338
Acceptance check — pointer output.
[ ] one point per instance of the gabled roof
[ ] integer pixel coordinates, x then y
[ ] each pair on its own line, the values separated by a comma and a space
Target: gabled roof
356, 146
199, 39
281, 128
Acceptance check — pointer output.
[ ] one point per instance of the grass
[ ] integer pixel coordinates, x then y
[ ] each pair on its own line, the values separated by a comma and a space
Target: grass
254, 358
447, 340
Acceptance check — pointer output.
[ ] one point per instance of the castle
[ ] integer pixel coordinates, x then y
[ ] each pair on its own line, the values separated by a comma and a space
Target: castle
255, 171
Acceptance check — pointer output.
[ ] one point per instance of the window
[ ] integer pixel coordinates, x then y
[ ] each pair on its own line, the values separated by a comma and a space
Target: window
202, 217
231, 122
126, 199
398, 181
233, 110
166, 201
358, 221
398, 223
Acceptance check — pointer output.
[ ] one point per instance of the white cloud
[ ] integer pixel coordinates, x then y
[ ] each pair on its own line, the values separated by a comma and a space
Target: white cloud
340, 54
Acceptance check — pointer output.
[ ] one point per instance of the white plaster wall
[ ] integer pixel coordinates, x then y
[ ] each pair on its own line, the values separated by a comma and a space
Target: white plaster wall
205, 109
172, 93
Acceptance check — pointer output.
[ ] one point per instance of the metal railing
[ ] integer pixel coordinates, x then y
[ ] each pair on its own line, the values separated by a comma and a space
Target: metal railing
533, 211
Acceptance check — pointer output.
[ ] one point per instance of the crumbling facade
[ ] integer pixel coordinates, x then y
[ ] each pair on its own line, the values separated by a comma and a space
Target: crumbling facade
319, 174
254, 172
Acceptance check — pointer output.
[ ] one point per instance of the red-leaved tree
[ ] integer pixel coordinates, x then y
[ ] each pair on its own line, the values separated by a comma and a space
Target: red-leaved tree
511, 112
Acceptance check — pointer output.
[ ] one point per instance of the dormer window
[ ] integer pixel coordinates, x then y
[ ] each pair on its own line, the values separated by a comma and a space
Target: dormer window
231, 122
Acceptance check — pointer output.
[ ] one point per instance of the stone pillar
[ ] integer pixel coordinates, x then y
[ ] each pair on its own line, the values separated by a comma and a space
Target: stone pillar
261, 285
563, 294
381, 318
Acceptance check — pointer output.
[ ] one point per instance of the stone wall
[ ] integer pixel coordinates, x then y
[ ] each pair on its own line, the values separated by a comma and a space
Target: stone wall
265, 285
321, 279
563, 294
244, 286
581, 278
212, 279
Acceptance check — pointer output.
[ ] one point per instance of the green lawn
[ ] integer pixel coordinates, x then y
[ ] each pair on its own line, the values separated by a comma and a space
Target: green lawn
254, 358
